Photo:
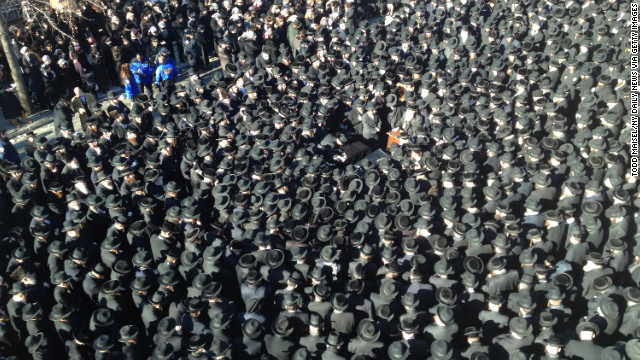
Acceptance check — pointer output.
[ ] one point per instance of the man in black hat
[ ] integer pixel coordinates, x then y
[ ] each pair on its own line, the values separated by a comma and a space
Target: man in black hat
584, 346
254, 288
334, 347
133, 345
38, 346
314, 342
94, 279
250, 344
280, 344
367, 342
593, 269
115, 104
502, 279
79, 346
519, 337
342, 320
444, 325
474, 343
164, 241
111, 297
629, 324
411, 336
15, 306
153, 312
62, 114
319, 303
192, 49
493, 321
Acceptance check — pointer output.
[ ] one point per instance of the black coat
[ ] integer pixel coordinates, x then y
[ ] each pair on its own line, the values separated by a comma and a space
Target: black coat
11, 107
279, 347
62, 114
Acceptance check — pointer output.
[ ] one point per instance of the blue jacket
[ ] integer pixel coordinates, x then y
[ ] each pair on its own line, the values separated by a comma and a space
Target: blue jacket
142, 71
166, 71
130, 88
167, 60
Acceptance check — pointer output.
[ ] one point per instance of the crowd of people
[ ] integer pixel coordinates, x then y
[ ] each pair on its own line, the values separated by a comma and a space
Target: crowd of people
240, 218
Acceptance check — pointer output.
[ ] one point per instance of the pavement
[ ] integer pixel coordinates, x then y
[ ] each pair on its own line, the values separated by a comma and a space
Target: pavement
42, 121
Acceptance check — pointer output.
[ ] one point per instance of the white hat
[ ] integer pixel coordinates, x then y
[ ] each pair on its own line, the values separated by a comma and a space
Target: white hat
24, 50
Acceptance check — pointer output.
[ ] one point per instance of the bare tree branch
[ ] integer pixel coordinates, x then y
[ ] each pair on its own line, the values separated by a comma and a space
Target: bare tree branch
40, 12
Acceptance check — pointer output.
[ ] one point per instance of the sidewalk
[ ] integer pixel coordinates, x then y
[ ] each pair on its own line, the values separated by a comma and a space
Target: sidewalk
42, 122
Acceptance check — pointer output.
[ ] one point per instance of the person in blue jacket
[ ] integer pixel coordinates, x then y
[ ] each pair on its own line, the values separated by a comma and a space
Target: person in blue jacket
143, 72
166, 74
128, 81
166, 54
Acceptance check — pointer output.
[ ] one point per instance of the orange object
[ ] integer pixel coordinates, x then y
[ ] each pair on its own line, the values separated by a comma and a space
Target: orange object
394, 138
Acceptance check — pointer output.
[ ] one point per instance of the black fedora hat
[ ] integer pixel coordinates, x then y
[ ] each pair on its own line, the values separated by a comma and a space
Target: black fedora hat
253, 278
60, 277
31, 310
368, 330
140, 284
104, 342
446, 296
275, 258
588, 326
410, 300
39, 212
194, 305
441, 350
321, 290
443, 267
142, 258
220, 347
291, 298
196, 343
247, 261
333, 339
497, 263
282, 327
563, 280
166, 327
520, 326
103, 318
632, 348
389, 289
163, 351
329, 254
473, 264
60, 311
252, 328
547, 319
211, 290
157, 298
339, 302
315, 320
111, 287
33, 342
398, 350
128, 332
201, 280
21, 253
57, 247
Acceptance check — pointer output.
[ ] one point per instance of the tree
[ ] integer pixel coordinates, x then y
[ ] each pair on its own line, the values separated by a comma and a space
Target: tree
62, 16
14, 66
